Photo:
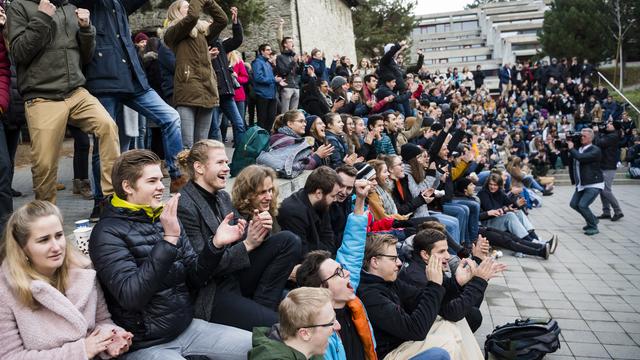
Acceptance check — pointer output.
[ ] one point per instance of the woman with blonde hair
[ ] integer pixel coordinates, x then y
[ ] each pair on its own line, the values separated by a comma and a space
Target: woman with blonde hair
52, 305
242, 76
195, 88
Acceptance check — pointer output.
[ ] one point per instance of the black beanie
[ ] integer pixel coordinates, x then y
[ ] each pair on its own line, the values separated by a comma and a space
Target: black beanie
410, 151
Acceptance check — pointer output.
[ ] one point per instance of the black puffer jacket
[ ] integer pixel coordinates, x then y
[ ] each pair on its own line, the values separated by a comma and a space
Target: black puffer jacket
146, 280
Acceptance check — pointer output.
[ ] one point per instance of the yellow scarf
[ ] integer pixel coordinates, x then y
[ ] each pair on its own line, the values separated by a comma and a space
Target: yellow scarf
152, 213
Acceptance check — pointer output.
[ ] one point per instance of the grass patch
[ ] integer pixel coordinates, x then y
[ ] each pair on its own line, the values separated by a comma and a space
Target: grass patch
631, 76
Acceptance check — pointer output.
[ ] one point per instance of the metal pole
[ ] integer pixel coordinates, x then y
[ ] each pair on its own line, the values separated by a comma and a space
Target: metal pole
618, 91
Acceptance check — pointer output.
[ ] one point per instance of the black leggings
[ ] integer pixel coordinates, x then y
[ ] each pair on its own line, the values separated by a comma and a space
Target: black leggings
509, 241
266, 110
80, 153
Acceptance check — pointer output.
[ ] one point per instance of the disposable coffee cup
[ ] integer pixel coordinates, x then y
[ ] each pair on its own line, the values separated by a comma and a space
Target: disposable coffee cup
82, 236
84, 223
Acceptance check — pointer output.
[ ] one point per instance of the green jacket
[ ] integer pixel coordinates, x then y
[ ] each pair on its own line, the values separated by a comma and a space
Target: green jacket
48, 51
267, 345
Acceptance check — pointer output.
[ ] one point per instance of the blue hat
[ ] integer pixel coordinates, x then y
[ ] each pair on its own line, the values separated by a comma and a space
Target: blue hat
310, 120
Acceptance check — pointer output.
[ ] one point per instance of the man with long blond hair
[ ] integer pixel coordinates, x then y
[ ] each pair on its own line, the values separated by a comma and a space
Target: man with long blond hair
253, 272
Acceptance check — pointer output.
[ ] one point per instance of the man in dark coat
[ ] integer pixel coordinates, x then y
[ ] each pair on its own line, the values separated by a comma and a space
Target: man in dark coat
115, 76
586, 174
608, 143
148, 268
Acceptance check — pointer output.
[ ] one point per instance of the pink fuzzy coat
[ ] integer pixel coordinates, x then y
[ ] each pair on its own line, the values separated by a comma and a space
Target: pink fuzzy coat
57, 329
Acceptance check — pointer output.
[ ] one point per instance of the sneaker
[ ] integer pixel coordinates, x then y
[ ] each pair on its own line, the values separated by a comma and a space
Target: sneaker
591, 231
617, 217
553, 244
60, 186
519, 255
605, 216
546, 251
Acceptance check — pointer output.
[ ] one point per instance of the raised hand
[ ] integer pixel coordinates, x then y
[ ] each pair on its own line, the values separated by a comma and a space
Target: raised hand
465, 270
47, 7
227, 233
97, 342
234, 14
257, 230
83, 18
169, 220
434, 270
324, 151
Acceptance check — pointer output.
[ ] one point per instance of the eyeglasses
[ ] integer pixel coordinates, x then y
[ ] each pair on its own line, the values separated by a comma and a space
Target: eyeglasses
339, 272
394, 258
330, 324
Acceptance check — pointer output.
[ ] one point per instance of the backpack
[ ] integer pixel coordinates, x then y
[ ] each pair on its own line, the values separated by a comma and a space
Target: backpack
254, 142
528, 339
287, 161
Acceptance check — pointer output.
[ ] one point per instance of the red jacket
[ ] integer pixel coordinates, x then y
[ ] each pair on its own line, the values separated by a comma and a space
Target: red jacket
5, 76
243, 78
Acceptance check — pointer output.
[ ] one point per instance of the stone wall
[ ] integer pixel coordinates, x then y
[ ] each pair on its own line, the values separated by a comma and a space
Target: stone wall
325, 24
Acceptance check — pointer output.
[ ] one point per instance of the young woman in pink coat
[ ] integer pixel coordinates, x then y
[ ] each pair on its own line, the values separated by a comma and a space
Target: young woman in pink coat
52, 306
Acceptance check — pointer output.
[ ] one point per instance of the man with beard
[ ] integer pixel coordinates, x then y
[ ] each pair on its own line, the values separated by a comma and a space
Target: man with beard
340, 209
306, 212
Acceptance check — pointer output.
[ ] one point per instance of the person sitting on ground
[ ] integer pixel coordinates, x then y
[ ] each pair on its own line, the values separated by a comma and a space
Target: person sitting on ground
292, 132
254, 268
307, 320
464, 291
52, 305
336, 138
381, 141
400, 328
149, 269
306, 212
342, 207
500, 212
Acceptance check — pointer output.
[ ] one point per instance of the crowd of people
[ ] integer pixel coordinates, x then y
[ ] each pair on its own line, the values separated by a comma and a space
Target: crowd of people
387, 250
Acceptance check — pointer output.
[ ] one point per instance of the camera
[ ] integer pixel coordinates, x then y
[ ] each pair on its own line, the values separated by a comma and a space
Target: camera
574, 137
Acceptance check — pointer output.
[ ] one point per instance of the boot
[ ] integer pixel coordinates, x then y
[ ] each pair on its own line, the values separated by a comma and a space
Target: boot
77, 186
85, 189
60, 186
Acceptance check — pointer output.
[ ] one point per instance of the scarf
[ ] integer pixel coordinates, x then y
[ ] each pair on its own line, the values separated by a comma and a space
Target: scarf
285, 130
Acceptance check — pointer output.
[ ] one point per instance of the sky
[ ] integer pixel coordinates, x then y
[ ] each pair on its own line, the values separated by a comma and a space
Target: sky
437, 6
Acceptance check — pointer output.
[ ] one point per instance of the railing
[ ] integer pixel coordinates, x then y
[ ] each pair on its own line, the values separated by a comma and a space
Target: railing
619, 92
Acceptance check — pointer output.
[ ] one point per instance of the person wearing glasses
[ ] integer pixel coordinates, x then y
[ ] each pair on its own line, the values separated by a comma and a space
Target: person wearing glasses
586, 174
264, 85
400, 328
307, 320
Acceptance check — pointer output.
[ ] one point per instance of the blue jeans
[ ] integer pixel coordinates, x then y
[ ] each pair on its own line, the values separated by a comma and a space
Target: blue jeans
150, 105
580, 202
461, 213
433, 354
473, 225
530, 182
241, 109
450, 223
229, 108
141, 141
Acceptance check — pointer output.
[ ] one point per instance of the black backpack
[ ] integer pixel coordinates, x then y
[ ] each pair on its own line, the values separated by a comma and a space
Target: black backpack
529, 339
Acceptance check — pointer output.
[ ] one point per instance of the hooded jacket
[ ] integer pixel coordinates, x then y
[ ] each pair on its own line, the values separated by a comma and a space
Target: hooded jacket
48, 51
194, 80
148, 281
268, 345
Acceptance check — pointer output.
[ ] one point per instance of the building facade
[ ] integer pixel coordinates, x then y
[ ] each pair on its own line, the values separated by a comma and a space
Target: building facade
490, 35
322, 24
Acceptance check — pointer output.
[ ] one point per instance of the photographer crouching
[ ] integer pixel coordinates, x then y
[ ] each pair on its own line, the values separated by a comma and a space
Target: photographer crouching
607, 138
586, 174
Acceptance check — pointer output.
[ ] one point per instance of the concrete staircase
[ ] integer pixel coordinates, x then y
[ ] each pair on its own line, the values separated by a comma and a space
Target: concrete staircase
562, 177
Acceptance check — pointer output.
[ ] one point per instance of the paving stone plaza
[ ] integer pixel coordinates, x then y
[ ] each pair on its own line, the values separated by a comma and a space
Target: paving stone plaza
591, 286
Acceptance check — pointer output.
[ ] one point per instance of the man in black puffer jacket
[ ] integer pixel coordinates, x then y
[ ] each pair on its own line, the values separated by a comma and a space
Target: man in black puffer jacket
148, 269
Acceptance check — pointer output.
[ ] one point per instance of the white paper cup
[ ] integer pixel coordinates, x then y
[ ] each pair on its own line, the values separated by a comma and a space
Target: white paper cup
82, 236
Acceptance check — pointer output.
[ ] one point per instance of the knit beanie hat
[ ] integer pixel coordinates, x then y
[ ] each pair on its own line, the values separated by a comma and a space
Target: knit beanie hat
337, 82
410, 151
436, 126
310, 120
139, 37
365, 171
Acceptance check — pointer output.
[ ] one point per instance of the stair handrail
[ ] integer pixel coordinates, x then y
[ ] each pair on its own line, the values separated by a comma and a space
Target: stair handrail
619, 92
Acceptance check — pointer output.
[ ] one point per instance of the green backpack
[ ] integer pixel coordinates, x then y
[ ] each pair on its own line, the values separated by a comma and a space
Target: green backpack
255, 141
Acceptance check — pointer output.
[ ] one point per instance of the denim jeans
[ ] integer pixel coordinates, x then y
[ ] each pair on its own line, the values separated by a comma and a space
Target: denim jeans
141, 141
461, 213
150, 105
580, 202
229, 108
450, 223
241, 105
213, 341
6, 200
474, 217
515, 223
530, 182
433, 354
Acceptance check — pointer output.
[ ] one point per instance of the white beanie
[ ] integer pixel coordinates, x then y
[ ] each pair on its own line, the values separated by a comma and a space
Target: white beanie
388, 47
